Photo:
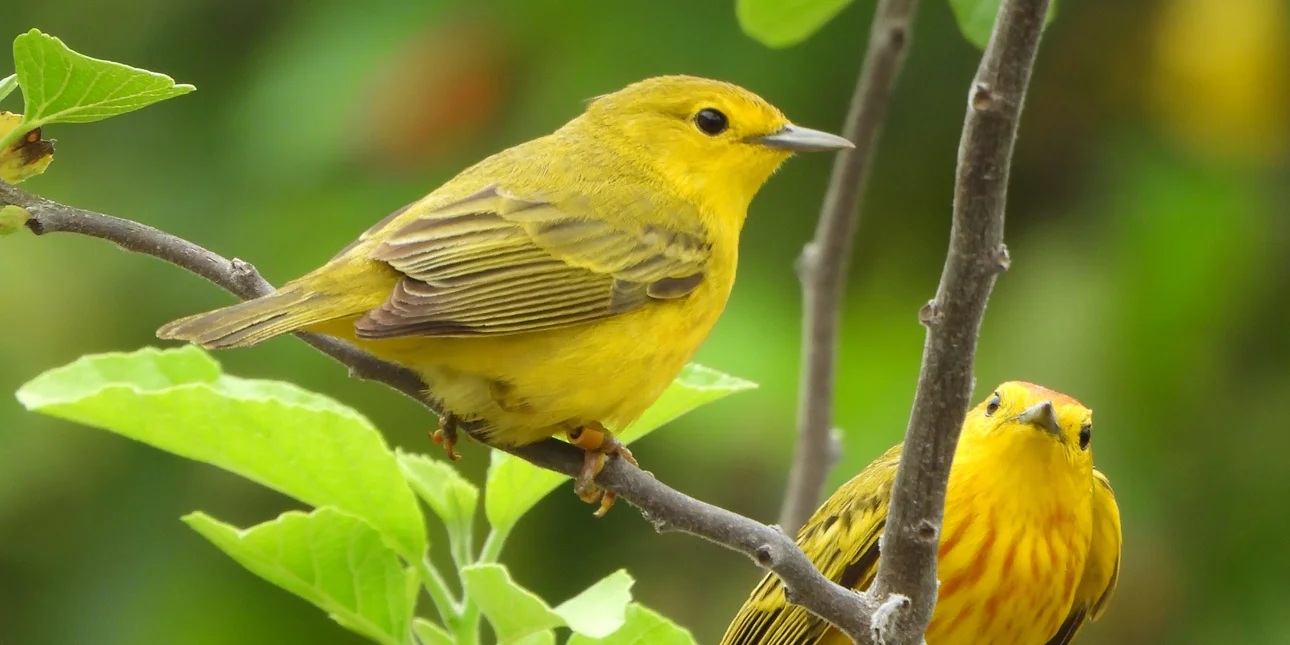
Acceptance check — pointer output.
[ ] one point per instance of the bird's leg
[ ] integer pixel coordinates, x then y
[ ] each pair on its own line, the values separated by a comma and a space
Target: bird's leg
446, 435
597, 444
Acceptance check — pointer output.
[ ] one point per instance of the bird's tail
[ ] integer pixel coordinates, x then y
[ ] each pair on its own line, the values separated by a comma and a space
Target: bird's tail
286, 310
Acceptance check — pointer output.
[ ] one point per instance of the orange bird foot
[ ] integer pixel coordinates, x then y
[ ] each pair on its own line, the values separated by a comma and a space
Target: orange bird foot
598, 444
446, 436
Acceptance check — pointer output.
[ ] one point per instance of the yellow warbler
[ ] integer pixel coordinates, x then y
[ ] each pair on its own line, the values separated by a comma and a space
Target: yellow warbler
1030, 547
556, 287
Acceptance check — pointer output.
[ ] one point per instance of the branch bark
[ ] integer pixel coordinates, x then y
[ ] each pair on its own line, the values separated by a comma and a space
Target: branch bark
822, 266
976, 257
667, 509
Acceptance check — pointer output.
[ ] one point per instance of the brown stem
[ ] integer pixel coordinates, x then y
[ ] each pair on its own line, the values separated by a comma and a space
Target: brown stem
666, 508
822, 267
953, 319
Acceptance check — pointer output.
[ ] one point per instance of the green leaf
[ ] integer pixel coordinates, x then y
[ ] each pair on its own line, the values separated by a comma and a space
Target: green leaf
643, 627
12, 219
976, 18
303, 444
782, 23
513, 611
514, 486
8, 85
430, 634
330, 558
537, 638
443, 489
62, 86
600, 610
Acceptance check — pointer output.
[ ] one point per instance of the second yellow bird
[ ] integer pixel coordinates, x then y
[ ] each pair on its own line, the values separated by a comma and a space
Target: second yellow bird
557, 286
1030, 547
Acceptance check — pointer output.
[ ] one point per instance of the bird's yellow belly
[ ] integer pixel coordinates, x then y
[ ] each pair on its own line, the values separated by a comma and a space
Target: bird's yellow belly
525, 387
1007, 578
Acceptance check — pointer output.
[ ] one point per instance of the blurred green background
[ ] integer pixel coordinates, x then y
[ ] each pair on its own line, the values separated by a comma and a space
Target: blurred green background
1149, 224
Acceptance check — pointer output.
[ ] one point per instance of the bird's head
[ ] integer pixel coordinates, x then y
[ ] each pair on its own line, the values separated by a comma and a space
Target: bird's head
713, 140
1036, 422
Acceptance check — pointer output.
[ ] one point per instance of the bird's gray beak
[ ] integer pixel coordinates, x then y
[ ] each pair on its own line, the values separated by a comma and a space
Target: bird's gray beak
799, 139
1043, 417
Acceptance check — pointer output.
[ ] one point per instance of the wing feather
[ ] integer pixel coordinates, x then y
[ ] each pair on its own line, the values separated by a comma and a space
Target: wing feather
495, 263
841, 539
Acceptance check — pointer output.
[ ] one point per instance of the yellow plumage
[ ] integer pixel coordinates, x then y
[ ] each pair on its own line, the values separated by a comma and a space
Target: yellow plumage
1030, 547
557, 286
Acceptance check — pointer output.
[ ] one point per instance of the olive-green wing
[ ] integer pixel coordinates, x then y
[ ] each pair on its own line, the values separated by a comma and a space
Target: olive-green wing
499, 263
1103, 567
841, 539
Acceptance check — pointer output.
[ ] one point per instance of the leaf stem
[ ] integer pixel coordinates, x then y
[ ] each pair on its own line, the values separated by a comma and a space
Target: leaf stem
488, 553
492, 548
450, 611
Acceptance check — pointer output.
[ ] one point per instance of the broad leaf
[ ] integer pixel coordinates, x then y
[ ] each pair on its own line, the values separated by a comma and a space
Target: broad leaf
513, 611
782, 23
303, 444
7, 85
643, 627
330, 558
443, 489
514, 485
600, 609
62, 86
429, 633
976, 18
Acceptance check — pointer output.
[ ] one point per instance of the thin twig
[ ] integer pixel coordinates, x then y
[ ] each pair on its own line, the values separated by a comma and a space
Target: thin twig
822, 266
953, 319
666, 508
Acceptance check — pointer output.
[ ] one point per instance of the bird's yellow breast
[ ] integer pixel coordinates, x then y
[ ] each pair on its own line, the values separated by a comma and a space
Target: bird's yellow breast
1016, 536
525, 387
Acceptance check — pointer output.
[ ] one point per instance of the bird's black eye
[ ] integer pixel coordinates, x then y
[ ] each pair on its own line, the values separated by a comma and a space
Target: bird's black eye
1085, 435
993, 405
711, 121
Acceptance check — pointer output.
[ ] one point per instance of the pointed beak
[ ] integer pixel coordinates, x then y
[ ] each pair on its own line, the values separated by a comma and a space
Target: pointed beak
1043, 417
799, 139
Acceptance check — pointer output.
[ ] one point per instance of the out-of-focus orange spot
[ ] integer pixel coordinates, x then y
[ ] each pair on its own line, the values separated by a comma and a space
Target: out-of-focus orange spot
1220, 76
435, 93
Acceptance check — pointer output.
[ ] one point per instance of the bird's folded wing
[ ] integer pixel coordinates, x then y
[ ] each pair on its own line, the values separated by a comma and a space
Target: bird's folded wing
498, 263
1102, 569
841, 539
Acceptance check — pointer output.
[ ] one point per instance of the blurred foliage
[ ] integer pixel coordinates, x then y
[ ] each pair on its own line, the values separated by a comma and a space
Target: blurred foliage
1148, 225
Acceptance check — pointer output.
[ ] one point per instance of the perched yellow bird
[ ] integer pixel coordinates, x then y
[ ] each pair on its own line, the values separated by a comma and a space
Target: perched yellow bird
558, 286
1030, 547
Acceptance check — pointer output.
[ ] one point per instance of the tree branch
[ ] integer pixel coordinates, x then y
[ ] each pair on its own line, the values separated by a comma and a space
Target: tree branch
953, 319
666, 508
822, 266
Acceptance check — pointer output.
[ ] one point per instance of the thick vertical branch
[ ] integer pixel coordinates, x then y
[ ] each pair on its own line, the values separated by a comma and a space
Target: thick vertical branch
953, 319
822, 267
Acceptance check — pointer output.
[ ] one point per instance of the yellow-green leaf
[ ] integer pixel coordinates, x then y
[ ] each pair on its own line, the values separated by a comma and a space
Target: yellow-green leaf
300, 443
62, 86
514, 612
783, 23
330, 558
642, 627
